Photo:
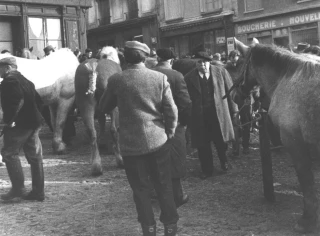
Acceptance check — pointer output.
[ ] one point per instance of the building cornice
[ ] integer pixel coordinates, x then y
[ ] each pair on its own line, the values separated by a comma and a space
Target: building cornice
243, 19
80, 3
193, 22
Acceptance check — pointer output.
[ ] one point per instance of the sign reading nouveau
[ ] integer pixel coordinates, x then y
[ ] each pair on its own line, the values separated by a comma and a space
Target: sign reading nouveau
278, 22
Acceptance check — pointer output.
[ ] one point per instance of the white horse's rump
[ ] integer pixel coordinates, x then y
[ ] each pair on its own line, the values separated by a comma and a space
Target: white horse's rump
53, 78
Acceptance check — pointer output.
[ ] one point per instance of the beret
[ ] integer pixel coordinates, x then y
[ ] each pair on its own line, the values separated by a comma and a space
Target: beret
8, 61
137, 45
48, 49
165, 53
204, 55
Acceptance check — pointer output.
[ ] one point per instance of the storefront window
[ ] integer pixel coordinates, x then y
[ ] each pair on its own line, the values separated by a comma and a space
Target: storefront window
209, 42
6, 36
305, 33
43, 32
184, 46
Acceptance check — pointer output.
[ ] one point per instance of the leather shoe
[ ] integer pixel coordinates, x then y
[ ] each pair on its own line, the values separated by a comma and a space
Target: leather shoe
205, 175
183, 201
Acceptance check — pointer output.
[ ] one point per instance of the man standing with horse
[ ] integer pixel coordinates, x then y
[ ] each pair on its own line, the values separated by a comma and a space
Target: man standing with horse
178, 142
21, 104
148, 118
210, 117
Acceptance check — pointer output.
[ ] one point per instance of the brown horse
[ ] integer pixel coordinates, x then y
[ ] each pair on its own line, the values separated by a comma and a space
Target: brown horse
292, 82
27, 53
90, 81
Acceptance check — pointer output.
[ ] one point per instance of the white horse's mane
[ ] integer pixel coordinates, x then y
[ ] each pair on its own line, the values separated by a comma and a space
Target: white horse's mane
111, 54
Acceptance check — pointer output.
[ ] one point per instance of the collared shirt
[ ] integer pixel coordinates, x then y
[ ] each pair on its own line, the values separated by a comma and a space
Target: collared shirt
207, 74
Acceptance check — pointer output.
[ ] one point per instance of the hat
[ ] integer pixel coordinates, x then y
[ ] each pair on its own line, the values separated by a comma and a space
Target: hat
48, 48
137, 45
8, 61
165, 53
204, 55
302, 46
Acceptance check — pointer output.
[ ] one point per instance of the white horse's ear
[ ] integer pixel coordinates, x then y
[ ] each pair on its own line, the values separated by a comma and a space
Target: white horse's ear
255, 41
31, 49
243, 49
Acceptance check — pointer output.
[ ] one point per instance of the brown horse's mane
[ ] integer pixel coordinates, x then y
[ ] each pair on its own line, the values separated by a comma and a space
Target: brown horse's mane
286, 63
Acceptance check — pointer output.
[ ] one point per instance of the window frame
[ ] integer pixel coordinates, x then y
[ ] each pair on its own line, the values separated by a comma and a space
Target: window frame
203, 4
181, 11
245, 7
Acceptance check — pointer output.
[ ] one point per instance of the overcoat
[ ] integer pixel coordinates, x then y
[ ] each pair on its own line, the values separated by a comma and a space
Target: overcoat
181, 98
222, 82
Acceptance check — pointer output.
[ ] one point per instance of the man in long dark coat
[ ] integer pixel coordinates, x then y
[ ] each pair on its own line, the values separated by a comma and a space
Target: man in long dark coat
21, 103
148, 117
210, 119
178, 142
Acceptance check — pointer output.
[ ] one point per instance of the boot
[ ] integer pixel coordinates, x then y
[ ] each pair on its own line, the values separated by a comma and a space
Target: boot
37, 192
170, 230
149, 230
16, 176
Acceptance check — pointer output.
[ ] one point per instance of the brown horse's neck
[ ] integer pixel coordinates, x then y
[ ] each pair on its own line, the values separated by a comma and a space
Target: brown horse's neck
268, 79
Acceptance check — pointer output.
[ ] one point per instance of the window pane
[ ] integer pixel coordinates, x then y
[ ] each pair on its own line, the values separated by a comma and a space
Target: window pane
148, 5
35, 28
117, 9
252, 5
53, 29
173, 9
211, 5
72, 32
38, 46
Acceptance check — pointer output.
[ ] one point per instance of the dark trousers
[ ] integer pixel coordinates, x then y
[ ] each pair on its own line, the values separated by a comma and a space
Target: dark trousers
16, 138
212, 131
157, 166
177, 190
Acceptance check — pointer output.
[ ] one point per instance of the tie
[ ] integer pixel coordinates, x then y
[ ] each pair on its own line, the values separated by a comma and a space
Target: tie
205, 77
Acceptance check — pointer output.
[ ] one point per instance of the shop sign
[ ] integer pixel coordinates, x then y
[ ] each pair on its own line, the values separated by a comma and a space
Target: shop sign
230, 44
220, 40
278, 22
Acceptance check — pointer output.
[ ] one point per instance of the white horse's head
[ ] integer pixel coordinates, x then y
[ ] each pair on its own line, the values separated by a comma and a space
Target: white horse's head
110, 53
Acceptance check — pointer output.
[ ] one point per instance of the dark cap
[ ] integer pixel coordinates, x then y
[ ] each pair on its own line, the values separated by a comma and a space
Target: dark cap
203, 55
11, 61
48, 48
165, 53
137, 45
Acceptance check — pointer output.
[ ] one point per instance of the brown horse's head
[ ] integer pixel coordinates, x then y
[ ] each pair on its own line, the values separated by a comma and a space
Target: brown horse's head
26, 53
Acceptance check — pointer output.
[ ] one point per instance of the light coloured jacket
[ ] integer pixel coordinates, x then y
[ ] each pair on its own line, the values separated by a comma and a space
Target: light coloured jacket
147, 112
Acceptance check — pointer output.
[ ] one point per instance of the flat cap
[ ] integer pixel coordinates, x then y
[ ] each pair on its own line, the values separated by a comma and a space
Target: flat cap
8, 61
48, 49
203, 55
137, 45
165, 53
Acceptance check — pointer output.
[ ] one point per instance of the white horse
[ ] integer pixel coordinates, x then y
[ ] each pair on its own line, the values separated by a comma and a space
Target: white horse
53, 78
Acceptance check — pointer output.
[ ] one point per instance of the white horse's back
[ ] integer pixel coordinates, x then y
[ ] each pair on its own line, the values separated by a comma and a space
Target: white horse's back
61, 64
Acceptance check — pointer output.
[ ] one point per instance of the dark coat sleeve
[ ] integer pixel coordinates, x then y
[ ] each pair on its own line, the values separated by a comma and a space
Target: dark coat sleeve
12, 99
182, 100
108, 100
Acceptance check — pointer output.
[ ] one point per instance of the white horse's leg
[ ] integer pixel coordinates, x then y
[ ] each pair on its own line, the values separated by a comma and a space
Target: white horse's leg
87, 109
115, 136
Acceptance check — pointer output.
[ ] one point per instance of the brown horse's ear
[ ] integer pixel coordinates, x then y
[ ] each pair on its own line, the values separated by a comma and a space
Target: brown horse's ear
31, 49
243, 49
254, 41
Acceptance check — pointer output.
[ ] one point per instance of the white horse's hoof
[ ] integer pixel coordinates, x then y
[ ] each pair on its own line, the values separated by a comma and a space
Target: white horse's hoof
96, 169
59, 148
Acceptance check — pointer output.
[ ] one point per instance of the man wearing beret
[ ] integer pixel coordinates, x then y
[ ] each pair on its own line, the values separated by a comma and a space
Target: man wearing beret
21, 104
48, 50
178, 142
210, 116
148, 118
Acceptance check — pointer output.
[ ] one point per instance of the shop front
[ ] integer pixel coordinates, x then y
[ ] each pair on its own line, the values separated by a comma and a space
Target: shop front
37, 24
206, 34
286, 30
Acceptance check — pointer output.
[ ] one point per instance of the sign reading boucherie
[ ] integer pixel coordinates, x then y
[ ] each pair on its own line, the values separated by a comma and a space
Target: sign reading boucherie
278, 22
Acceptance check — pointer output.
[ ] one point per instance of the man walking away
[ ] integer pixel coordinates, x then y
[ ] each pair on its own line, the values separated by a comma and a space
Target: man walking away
178, 142
21, 103
148, 118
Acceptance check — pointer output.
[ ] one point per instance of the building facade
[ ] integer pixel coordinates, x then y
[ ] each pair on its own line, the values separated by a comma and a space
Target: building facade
38, 23
113, 22
187, 26
281, 22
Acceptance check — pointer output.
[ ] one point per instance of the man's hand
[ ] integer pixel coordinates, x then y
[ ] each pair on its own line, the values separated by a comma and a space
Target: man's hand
11, 125
170, 136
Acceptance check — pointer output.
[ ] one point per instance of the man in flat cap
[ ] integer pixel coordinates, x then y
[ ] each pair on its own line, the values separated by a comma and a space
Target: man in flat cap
48, 50
210, 117
21, 104
178, 142
147, 118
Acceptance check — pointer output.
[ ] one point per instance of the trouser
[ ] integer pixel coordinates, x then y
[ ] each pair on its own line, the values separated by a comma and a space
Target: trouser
157, 166
212, 132
16, 138
177, 191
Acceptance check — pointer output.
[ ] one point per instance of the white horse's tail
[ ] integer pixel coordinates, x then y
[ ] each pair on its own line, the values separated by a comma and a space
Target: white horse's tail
111, 54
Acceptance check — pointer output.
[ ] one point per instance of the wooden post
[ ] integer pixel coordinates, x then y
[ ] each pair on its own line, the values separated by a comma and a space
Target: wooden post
266, 159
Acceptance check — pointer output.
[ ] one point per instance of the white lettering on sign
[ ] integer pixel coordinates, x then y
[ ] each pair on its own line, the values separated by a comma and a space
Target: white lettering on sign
257, 26
304, 18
